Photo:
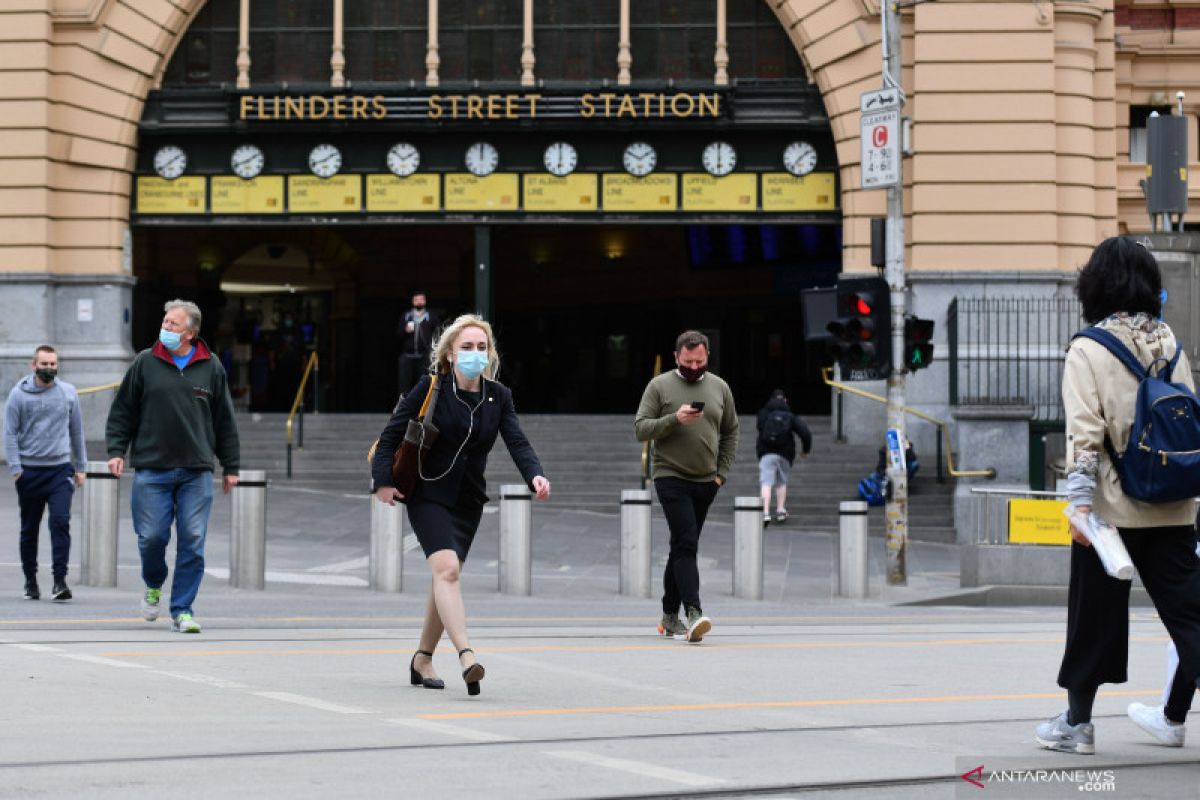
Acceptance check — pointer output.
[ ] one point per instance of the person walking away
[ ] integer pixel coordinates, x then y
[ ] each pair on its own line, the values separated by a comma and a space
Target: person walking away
47, 457
173, 414
776, 451
688, 414
416, 333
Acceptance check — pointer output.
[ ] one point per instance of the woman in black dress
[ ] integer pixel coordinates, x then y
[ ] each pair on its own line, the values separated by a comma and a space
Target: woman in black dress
447, 502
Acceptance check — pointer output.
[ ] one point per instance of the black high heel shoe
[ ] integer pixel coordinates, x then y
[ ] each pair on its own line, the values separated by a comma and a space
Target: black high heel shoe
472, 674
417, 679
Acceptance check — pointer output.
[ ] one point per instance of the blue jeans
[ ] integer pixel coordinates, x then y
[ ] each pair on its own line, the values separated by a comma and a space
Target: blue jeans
160, 495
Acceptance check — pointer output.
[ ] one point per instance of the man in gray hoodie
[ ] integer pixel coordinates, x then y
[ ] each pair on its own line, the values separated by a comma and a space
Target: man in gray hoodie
43, 444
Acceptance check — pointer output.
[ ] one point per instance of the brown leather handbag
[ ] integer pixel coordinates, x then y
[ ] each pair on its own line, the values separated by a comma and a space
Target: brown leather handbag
419, 436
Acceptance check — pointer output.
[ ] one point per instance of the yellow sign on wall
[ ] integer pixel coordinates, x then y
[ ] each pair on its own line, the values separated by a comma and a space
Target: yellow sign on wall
470, 193
261, 195
180, 196
651, 193
1037, 522
308, 194
731, 193
782, 191
414, 193
570, 193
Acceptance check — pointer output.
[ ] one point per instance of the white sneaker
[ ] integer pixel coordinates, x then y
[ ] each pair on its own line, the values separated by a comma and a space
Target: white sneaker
1153, 721
184, 623
150, 604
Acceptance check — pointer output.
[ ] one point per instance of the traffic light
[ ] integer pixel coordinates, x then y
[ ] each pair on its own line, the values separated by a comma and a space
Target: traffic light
862, 342
918, 343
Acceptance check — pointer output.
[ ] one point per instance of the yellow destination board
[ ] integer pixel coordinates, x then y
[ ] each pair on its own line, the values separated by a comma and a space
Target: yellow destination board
1037, 522
414, 193
570, 193
731, 193
782, 191
261, 195
308, 194
651, 193
180, 196
470, 193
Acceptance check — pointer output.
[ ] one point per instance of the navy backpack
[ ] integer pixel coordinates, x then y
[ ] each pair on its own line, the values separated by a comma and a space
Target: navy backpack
1161, 463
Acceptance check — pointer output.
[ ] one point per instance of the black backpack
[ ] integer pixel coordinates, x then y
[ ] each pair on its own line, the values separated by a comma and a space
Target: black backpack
777, 428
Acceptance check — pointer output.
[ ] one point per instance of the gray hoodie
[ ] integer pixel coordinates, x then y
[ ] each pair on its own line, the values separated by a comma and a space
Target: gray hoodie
43, 426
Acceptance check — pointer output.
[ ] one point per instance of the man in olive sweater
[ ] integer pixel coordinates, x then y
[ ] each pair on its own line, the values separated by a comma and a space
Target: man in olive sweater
173, 413
689, 415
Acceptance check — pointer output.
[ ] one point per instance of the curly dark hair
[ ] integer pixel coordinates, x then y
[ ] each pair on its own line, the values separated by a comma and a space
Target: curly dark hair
1121, 275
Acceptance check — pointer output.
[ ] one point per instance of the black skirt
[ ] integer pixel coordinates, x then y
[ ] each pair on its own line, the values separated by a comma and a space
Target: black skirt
440, 527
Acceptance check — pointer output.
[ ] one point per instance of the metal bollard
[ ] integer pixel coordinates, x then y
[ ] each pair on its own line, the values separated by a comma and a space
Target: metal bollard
101, 502
852, 549
248, 531
635, 543
516, 521
748, 548
386, 570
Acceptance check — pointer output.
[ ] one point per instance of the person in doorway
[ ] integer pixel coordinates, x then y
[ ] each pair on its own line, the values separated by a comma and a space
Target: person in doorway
173, 413
416, 331
447, 503
1119, 293
776, 451
689, 415
46, 454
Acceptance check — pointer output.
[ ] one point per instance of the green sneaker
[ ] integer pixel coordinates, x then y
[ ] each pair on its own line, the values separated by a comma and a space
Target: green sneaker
697, 625
185, 624
672, 627
150, 604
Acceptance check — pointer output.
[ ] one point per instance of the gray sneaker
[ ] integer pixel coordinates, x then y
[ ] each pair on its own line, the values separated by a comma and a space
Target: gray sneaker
672, 627
697, 625
151, 604
185, 624
1058, 735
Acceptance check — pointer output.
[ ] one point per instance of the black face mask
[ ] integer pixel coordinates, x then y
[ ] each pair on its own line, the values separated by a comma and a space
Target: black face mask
692, 374
47, 375
418, 308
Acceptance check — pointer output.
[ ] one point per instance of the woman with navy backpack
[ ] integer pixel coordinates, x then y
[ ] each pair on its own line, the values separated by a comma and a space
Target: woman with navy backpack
1105, 386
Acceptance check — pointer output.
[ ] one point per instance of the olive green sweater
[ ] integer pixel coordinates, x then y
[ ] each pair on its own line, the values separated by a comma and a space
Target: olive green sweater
701, 451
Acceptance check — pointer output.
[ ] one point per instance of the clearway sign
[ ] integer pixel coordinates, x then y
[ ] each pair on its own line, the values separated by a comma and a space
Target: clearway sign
879, 135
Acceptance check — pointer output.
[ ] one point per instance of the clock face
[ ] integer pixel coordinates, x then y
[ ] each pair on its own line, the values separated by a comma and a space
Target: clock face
800, 158
719, 158
482, 159
639, 159
403, 159
560, 159
325, 160
247, 161
170, 162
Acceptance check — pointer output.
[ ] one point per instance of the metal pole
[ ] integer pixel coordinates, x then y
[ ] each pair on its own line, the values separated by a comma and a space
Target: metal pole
635, 543
386, 569
101, 501
300, 433
248, 531
483, 271
516, 521
852, 549
748, 547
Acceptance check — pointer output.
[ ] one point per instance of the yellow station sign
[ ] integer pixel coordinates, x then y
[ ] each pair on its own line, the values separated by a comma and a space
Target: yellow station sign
261, 195
414, 193
180, 196
470, 193
1037, 522
782, 191
651, 193
308, 194
567, 194
730, 193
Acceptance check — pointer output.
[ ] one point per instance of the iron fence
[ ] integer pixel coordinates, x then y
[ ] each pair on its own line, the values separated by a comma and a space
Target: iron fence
1009, 351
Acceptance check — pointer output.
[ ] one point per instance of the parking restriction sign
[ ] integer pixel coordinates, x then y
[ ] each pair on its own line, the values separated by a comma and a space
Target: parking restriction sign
879, 133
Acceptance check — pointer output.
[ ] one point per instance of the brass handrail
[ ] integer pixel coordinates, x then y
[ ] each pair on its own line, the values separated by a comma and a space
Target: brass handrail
101, 388
646, 444
944, 426
297, 406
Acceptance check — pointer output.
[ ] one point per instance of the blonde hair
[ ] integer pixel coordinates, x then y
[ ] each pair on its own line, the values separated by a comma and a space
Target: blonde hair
446, 339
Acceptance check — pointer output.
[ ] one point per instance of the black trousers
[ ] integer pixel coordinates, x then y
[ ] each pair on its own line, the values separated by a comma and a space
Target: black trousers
412, 367
1097, 648
685, 504
40, 488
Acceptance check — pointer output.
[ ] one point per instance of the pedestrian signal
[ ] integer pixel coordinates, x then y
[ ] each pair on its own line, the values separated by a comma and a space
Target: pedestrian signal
918, 343
862, 342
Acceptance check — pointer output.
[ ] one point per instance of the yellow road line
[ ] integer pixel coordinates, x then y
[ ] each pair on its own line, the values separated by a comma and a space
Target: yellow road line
851, 701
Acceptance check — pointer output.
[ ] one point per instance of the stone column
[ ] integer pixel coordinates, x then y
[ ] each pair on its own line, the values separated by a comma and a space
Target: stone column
527, 57
243, 51
337, 61
432, 62
624, 50
995, 437
721, 58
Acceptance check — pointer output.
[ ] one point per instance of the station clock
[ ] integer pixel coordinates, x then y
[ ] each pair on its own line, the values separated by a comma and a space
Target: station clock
247, 161
403, 159
800, 158
325, 160
170, 161
639, 159
719, 158
482, 159
560, 159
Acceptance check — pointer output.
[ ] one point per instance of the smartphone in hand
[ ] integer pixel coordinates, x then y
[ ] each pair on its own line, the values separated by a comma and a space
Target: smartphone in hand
698, 405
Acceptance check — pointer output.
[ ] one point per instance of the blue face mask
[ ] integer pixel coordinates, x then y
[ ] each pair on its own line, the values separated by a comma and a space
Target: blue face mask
169, 339
472, 363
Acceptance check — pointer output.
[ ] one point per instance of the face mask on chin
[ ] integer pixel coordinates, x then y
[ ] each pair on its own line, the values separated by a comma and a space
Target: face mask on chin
692, 374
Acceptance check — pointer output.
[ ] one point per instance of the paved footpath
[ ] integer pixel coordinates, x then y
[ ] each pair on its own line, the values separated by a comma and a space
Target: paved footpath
301, 690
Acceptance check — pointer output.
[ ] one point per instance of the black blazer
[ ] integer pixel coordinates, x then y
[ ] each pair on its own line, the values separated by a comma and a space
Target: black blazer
496, 414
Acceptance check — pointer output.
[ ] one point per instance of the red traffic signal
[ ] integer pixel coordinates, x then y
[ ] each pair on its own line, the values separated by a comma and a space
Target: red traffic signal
862, 330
